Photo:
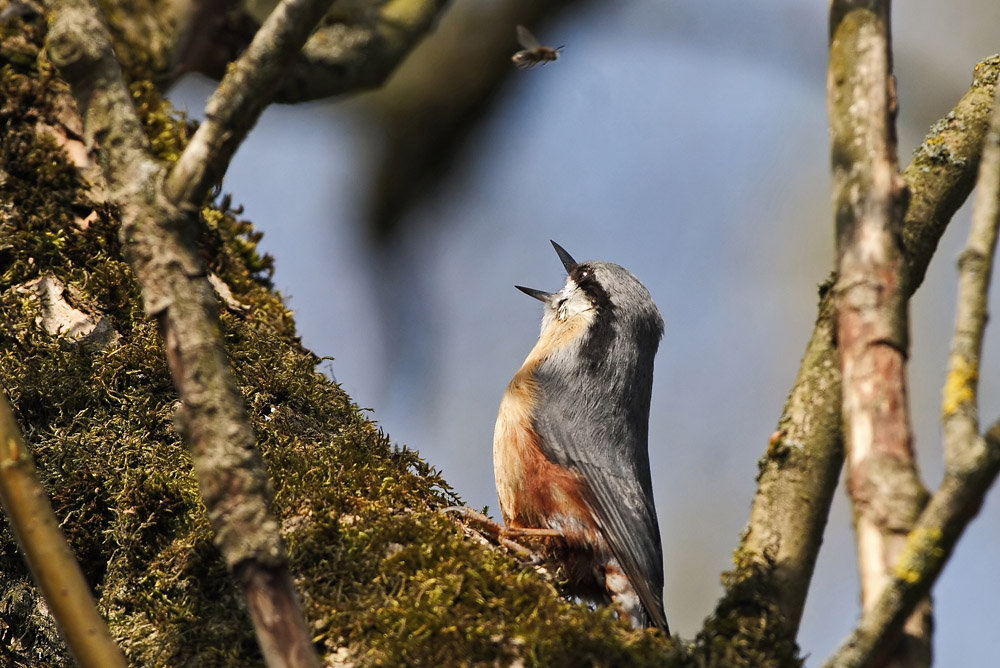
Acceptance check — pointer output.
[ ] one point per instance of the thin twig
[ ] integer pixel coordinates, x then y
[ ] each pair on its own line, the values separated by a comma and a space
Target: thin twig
961, 422
869, 201
799, 471
241, 97
160, 245
49, 556
972, 463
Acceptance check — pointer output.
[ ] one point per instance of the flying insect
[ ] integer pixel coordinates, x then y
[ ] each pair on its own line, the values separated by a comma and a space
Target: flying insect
532, 52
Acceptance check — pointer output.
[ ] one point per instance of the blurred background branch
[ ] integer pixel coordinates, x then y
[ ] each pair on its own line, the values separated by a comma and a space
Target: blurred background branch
440, 96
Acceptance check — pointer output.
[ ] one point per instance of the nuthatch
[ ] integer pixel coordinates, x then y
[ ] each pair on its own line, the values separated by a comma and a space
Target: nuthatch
570, 446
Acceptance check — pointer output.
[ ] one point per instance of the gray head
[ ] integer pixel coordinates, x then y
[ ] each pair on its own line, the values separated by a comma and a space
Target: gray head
602, 311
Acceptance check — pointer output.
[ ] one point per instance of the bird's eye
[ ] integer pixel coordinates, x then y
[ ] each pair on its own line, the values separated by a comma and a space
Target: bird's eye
584, 274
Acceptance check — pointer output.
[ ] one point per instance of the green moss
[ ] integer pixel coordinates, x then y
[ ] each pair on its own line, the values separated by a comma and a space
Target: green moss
168, 131
746, 628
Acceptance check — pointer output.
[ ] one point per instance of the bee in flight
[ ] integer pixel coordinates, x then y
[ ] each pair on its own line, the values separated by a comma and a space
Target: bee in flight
533, 52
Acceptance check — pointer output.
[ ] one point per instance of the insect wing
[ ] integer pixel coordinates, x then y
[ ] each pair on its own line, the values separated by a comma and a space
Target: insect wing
526, 39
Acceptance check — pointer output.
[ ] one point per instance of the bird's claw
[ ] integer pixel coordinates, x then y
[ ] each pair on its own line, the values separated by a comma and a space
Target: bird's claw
502, 534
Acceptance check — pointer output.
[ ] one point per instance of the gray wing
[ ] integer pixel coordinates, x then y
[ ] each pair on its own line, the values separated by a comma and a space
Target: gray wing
583, 435
526, 39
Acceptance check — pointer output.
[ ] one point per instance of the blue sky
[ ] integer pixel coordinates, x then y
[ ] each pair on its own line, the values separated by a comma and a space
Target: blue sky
687, 142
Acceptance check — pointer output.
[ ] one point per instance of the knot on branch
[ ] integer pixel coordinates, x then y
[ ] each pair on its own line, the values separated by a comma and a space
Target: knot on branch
73, 47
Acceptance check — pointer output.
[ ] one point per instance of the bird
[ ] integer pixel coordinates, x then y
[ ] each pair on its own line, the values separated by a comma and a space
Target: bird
570, 446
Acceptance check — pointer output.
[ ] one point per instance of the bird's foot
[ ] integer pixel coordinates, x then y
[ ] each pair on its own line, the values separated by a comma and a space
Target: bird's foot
502, 534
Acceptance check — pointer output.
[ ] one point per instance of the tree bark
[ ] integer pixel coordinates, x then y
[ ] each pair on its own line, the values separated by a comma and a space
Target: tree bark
869, 201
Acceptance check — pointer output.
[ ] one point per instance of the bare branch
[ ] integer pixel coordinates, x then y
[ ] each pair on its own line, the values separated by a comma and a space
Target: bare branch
242, 95
48, 554
869, 200
160, 246
799, 471
972, 463
960, 418
798, 476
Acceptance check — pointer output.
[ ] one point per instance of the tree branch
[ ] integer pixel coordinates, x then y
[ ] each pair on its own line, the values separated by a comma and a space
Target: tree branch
960, 410
799, 471
49, 556
441, 94
241, 97
357, 47
160, 246
943, 170
869, 200
972, 463
353, 58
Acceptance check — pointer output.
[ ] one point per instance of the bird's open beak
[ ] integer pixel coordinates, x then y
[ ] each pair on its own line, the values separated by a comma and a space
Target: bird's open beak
565, 257
567, 261
540, 295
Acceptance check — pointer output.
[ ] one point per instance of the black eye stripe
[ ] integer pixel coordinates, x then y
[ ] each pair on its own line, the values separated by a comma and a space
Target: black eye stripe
582, 274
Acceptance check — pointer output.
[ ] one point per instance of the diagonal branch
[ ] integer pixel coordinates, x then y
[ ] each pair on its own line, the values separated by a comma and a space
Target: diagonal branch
49, 556
799, 471
241, 97
972, 463
160, 245
869, 201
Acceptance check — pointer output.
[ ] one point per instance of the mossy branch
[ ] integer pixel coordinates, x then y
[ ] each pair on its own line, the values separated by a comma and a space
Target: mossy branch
972, 463
929, 546
799, 470
158, 235
943, 170
49, 556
